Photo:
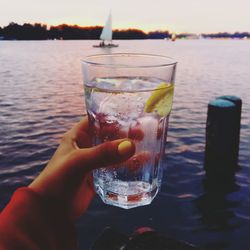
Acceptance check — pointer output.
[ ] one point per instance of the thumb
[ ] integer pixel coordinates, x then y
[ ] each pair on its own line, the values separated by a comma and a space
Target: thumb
105, 154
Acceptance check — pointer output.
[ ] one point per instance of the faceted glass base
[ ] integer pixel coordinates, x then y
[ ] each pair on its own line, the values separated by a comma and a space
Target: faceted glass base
127, 194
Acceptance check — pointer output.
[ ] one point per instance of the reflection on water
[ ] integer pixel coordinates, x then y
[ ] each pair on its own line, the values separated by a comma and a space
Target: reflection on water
215, 207
41, 97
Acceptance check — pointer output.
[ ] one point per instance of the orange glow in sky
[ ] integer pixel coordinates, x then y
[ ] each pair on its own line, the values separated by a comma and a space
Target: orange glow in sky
176, 15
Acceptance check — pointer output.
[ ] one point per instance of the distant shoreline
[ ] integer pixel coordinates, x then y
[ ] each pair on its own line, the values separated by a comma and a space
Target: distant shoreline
146, 39
38, 31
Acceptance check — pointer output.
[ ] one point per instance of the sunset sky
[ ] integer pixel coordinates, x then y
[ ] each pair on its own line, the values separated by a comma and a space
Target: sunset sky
176, 15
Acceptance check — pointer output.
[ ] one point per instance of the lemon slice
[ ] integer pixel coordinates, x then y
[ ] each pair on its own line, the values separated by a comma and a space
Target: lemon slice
161, 99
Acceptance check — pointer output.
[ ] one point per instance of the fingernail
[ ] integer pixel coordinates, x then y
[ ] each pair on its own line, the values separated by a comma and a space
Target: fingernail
124, 148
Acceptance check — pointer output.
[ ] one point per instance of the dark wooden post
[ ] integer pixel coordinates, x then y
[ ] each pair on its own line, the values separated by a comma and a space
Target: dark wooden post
222, 138
238, 103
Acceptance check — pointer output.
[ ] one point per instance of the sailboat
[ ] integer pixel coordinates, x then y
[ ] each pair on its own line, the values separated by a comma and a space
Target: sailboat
106, 35
173, 37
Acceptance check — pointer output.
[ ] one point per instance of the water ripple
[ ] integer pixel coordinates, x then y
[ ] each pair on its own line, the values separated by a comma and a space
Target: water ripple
41, 98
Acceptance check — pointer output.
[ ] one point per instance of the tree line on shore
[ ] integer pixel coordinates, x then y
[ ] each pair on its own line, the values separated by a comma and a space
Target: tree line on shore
38, 31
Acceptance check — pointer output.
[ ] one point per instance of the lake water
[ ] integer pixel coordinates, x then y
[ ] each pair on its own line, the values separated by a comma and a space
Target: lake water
41, 97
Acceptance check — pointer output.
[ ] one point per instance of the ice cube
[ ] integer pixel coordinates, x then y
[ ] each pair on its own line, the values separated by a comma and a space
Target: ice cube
135, 84
149, 126
125, 85
106, 83
149, 83
124, 106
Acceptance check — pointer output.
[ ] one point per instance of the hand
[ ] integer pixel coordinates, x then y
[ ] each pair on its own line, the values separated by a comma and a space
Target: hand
68, 177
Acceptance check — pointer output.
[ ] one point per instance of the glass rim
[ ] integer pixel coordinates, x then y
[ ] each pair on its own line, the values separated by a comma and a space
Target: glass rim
169, 60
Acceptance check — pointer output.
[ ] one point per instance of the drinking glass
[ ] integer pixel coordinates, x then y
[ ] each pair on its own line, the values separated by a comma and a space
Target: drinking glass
130, 95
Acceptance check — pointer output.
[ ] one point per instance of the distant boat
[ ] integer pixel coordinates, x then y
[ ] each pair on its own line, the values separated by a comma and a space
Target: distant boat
106, 35
173, 37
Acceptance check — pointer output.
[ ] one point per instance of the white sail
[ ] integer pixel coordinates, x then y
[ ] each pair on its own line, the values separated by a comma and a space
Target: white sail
107, 30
